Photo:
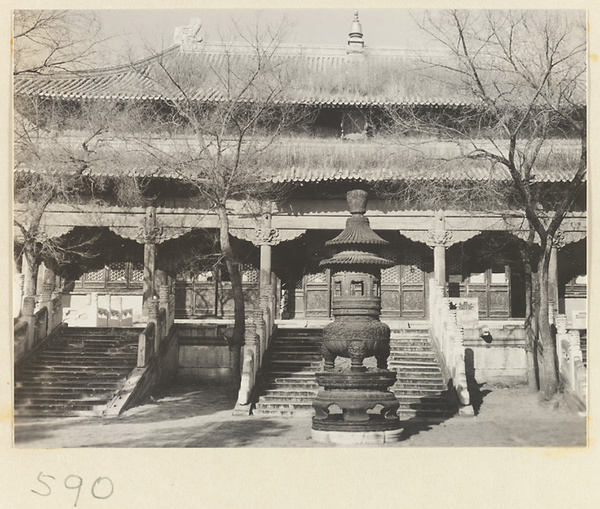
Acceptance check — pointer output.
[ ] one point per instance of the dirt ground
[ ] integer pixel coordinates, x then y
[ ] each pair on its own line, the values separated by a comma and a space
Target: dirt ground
191, 414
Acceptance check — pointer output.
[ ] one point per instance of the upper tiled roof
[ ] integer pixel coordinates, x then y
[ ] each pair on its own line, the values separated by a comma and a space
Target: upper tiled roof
325, 76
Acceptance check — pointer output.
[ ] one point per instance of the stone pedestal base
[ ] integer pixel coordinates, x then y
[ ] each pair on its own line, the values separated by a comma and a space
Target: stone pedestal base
356, 404
356, 437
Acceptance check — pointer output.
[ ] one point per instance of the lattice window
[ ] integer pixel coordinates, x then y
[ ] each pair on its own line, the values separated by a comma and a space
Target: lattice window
316, 277
411, 269
117, 272
96, 276
390, 275
298, 284
249, 273
137, 272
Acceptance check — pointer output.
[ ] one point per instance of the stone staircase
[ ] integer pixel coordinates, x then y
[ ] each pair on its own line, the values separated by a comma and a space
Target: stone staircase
420, 389
77, 374
287, 383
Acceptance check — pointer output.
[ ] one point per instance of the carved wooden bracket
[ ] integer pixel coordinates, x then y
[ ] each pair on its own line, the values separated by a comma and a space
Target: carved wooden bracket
265, 236
439, 237
153, 235
49, 231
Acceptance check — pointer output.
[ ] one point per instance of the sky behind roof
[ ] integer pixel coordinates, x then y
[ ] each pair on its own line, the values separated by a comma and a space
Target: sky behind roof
381, 27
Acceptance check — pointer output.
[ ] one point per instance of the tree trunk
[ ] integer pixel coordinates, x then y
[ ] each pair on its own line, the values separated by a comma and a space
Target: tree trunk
30, 282
237, 339
548, 375
530, 326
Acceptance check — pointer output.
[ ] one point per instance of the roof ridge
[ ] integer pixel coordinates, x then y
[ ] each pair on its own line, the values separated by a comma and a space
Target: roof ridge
114, 69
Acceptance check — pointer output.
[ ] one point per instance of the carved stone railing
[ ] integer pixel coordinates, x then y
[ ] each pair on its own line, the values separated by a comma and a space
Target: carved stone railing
257, 338
56, 315
146, 343
34, 327
448, 339
40, 325
572, 370
158, 328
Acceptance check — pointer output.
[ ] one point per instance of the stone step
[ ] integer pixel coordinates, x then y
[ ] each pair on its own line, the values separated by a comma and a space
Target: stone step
427, 383
283, 412
437, 398
425, 415
414, 391
290, 393
412, 353
84, 370
93, 346
291, 382
283, 403
66, 405
56, 412
417, 381
410, 348
298, 356
300, 347
426, 371
74, 386
90, 360
65, 388
291, 364
413, 362
68, 399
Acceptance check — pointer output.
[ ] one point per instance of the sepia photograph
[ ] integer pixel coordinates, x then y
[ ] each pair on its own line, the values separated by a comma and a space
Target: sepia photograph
299, 228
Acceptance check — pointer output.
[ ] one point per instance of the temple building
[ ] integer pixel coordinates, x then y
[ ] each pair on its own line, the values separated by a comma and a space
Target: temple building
344, 120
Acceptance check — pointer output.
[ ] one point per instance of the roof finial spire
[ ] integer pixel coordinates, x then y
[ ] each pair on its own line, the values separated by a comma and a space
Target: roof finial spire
355, 37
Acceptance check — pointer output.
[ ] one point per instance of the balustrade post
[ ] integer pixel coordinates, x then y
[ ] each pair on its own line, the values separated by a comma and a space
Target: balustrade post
553, 281
259, 322
93, 318
153, 311
18, 294
28, 316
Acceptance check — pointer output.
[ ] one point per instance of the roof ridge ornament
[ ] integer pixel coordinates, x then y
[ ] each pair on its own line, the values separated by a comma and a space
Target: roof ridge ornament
189, 35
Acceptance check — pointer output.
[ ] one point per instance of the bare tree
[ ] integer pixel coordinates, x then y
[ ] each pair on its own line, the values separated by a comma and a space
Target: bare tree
526, 73
222, 111
50, 41
56, 154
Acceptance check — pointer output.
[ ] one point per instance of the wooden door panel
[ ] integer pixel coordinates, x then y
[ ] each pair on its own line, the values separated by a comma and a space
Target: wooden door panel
317, 300
499, 301
390, 300
413, 300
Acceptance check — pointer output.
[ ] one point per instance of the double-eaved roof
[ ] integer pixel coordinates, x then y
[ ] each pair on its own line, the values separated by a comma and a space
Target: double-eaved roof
317, 75
335, 77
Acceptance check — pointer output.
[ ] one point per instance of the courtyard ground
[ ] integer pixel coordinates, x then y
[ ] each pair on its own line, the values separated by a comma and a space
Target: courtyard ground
190, 414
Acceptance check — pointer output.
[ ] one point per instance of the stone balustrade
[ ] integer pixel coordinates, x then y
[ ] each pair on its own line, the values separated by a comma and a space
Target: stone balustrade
34, 326
448, 338
146, 343
257, 338
572, 370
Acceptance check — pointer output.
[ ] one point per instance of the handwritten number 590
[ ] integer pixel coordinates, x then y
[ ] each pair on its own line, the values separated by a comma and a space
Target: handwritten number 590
102, 488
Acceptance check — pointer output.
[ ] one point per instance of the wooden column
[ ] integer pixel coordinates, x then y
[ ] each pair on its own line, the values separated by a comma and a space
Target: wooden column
553, 278
438, 239
439, 265
150, 233
265, 286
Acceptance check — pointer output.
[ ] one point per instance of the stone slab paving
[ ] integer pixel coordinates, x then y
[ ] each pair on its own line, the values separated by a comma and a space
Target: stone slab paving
190, 414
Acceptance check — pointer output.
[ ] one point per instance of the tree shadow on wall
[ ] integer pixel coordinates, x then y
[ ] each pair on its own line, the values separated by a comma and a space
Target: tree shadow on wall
476, 394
